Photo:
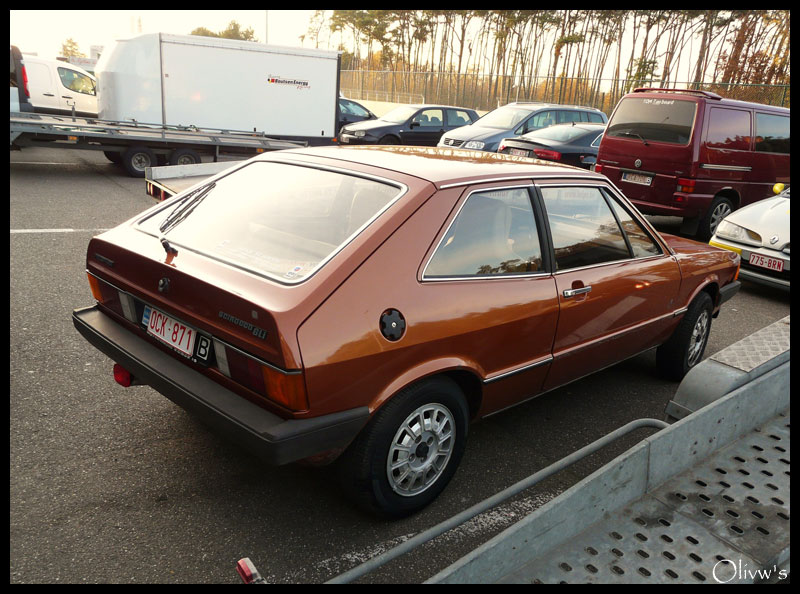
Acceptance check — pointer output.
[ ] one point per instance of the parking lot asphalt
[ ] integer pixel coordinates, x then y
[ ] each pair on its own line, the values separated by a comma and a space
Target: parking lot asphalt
114, 485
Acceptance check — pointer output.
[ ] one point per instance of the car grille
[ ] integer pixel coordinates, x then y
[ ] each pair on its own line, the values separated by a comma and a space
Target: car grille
452, 142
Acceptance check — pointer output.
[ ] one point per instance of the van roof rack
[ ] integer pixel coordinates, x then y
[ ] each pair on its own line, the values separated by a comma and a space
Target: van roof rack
708, 94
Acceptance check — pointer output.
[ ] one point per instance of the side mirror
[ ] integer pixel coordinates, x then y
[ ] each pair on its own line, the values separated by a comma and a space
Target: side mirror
413, 125
778, 188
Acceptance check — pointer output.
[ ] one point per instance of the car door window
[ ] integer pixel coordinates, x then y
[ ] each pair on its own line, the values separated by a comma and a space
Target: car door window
583, 227
596, 118
75, 81
458, 117
429, 118
352, 108
542, 119
772, 133
565, 117
494, 233
641, 243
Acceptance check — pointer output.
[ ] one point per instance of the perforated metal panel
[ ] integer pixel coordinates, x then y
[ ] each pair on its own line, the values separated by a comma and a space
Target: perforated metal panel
719, 521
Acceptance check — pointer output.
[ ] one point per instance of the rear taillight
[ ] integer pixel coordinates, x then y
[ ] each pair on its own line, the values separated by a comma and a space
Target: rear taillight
547, 154
25, 82
598, 168
686, 185
94, 285
285, 388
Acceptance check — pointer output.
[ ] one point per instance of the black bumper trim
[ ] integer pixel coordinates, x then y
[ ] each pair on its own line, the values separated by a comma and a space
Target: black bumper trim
729, 291
276, 440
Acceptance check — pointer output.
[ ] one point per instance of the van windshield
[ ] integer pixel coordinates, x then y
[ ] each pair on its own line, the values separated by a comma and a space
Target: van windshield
660, 120
283, 221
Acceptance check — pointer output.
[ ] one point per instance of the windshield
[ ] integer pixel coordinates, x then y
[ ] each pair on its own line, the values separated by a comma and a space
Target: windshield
661, 120
399, 115
284, 221
505, 118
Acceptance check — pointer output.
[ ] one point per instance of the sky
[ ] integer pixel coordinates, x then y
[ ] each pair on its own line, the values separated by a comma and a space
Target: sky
44, 31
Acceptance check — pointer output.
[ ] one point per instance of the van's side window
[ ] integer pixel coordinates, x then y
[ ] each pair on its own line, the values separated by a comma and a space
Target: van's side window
729, 129
772, 133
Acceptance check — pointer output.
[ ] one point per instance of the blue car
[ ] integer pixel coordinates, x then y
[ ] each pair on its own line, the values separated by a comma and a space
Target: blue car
514, 120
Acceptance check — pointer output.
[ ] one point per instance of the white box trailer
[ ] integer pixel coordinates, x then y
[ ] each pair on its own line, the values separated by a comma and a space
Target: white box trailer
208, 82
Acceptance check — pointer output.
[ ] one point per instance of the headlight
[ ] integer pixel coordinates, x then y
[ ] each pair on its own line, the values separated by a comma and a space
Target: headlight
359, 133
474, 144
734, 232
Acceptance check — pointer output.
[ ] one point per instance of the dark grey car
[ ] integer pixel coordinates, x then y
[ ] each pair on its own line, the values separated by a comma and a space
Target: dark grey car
516, 119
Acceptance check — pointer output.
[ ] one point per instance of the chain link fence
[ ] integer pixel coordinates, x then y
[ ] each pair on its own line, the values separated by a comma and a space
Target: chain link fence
486, 91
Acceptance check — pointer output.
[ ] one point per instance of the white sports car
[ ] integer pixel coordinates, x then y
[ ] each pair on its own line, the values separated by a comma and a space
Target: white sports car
760, 234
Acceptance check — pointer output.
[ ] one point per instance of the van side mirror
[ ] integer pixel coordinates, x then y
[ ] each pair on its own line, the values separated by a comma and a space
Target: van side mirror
778, 188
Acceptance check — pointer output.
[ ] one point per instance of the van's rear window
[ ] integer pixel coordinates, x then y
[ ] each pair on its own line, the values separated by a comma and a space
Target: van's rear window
283, 221
660, 120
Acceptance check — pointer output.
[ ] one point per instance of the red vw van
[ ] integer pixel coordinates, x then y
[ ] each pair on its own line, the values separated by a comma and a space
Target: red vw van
693, 154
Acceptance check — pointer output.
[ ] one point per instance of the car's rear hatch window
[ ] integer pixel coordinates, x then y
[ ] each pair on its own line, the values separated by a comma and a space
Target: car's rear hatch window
275, 219
653, 119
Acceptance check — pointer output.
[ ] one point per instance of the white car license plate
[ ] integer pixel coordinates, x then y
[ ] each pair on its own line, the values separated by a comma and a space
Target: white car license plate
518, 152
766, 262
637, 178
169, 330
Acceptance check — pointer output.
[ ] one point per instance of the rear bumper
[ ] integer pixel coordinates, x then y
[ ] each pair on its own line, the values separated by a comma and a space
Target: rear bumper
274, 439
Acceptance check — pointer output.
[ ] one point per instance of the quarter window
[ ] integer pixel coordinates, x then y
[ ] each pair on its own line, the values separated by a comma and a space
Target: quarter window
583, 227
494, 234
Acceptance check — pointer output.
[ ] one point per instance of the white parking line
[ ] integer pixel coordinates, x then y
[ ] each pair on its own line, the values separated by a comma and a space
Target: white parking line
57, 230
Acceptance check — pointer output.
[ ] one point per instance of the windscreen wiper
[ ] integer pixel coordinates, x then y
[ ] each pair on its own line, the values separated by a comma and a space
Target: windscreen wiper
639, 136
185, 207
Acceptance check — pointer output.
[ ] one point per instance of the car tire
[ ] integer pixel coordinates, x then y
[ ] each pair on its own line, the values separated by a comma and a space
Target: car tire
408, 452
389, 140
184, 157
720, 208
685, 347
137, 159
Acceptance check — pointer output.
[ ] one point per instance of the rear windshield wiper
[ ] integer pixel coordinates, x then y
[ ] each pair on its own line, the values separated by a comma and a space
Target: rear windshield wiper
185, 207
639, 136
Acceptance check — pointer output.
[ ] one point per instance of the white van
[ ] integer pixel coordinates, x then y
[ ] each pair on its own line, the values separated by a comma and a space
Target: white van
56, 86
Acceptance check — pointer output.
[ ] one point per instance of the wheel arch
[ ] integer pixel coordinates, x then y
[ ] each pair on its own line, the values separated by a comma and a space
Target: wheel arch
464, 374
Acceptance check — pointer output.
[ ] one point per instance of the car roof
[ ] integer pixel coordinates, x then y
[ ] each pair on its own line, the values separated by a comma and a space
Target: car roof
540, 105
430, 105
438, 165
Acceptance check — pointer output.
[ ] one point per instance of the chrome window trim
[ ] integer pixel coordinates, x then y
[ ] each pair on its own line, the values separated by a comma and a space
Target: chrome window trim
476, 276
403, 190
529, 176
212, 336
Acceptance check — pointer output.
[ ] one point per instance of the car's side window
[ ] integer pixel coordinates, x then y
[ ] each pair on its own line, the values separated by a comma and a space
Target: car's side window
458, 117
494, 233
641, 243
582, 226
429, 118
565, 117
75, 81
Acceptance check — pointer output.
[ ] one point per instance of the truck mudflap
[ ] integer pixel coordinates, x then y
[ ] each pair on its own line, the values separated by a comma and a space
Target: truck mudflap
274, 439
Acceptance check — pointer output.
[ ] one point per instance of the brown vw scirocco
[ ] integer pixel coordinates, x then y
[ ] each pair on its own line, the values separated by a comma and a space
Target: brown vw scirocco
367, 303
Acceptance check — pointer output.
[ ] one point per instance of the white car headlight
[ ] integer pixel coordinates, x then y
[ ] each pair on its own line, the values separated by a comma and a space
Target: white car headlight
359, 133
474, 144
734, 232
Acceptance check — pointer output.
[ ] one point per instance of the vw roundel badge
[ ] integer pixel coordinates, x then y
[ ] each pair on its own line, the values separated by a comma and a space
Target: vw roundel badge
163, 285
638, 163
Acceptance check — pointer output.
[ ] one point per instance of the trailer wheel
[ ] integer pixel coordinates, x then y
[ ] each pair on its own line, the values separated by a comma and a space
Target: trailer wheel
184, 157
138, 158
113, 156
